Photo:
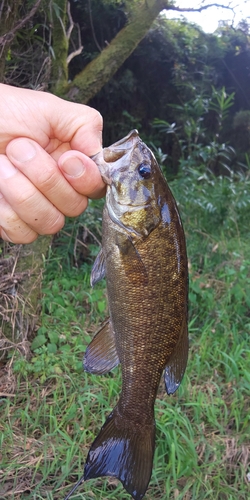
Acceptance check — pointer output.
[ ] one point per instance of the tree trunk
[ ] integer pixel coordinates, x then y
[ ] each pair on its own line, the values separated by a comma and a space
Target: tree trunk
59, 68
99, 71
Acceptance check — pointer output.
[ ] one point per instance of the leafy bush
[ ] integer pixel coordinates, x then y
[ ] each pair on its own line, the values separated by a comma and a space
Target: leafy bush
192, 143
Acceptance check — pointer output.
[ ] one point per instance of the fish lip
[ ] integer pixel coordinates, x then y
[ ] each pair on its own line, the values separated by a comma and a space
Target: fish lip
103, 167
109, 159
108, 169
132, 136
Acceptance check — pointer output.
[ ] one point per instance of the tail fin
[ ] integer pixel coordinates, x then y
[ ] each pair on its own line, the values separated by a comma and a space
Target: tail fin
125, 451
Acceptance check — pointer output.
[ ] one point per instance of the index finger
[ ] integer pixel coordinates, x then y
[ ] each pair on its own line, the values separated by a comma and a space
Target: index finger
78, 124
48, 120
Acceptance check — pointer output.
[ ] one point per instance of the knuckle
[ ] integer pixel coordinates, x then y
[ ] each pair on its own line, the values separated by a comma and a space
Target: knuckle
54, 226
98, 119
95, 118
77, 208
18, 234
47, 179
25, 198
27, 237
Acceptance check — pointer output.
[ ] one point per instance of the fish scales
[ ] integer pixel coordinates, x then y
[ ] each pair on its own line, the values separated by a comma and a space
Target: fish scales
146, 317
144, 260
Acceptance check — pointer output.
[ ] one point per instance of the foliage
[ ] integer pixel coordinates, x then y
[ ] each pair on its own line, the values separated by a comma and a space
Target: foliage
176, 64
28, 63
191, 143
241, 129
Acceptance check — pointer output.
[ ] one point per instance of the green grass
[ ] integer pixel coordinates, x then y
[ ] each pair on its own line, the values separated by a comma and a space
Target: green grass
202, 443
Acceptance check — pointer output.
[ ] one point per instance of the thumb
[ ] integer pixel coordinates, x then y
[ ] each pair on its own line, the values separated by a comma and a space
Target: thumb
82, 173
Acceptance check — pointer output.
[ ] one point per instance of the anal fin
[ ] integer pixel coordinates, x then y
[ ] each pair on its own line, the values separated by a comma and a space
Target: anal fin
101, 354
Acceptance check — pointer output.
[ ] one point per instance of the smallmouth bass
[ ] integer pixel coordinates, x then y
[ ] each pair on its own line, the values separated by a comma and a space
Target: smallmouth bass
144, 259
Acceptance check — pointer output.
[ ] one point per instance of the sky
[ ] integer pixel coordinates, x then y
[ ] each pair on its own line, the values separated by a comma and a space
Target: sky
209, 18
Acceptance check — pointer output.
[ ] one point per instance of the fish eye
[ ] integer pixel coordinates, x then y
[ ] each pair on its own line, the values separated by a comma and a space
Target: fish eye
144, 170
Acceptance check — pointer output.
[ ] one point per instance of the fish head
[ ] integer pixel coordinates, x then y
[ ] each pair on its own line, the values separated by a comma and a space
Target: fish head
134, 181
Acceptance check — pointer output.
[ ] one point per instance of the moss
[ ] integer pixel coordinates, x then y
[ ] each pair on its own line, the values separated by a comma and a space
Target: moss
59, 70
99, 71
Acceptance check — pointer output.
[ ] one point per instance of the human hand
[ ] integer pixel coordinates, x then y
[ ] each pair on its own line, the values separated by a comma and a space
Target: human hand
45, 169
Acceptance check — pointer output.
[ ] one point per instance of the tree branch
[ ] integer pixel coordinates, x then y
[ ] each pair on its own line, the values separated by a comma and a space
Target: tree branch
71, 22
68, 34
99, 71
75, 53
92, 27
8, 37
198, 9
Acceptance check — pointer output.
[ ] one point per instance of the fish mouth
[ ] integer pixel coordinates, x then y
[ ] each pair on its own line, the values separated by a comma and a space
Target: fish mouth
117, 150
111, 159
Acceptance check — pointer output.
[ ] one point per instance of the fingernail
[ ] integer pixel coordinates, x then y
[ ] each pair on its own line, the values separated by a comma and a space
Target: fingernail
6, 168
73, 166
21, 150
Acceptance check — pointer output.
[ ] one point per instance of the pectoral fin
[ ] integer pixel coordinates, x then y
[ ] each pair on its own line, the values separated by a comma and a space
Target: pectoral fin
98, 272
101, 355
176, 366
